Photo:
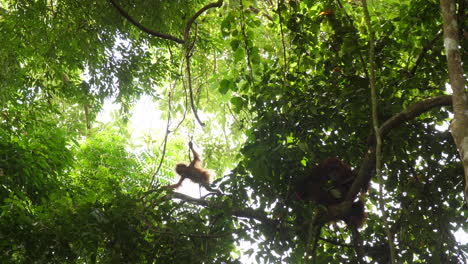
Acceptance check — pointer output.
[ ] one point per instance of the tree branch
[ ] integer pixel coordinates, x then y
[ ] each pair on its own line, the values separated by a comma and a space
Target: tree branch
424, 51
368, 163
189, 199
258, 11
166, 135
142, 27
189, 77
414, 111
188, 26
256, 214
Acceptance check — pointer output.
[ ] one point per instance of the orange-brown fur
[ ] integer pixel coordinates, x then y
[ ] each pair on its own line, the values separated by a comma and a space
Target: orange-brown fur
193, 171
328, 184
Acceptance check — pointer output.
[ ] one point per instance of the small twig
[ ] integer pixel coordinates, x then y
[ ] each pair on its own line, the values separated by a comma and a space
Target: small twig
232, 114
336, 243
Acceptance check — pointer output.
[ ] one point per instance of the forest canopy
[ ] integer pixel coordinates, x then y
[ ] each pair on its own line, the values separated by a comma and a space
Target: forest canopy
309, 114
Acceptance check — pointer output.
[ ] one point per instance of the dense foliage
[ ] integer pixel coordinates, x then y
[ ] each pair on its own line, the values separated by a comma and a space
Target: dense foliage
279, 85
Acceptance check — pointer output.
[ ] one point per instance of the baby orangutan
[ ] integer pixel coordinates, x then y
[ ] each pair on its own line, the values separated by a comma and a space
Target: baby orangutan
194, 172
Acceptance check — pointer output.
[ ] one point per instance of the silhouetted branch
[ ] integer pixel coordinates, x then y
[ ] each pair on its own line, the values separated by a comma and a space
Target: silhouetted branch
188, 26
256, 214
162, 35
166, 135
142, 27
368, 163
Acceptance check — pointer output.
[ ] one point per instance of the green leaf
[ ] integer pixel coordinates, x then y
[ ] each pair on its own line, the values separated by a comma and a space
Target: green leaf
224, 86
255, 56
239, 54
238, 103
235, 43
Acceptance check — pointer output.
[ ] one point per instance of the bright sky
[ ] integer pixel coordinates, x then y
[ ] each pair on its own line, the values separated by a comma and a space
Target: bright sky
146, 118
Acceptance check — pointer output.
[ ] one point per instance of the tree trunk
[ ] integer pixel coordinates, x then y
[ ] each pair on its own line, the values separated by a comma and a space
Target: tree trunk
459, 124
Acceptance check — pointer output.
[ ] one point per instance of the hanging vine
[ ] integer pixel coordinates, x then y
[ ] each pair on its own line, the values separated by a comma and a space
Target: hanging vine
378, 136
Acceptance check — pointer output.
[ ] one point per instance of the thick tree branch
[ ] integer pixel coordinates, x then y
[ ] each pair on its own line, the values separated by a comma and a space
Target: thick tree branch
368, 164
142, 27
414, 111
162, 35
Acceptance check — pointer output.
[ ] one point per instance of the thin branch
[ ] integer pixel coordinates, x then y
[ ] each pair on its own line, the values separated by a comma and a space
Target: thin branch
189, 77
165, 138
186, 98
142, 27
188, 26
162, 35
424, 51
256, 214
258, 11
285, 63
378, 147
246, 44
232, 114
336, 243
188, 52
189, 199
318, 229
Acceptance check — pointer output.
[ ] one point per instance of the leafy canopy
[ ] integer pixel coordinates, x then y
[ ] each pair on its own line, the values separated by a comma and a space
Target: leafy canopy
279, 85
